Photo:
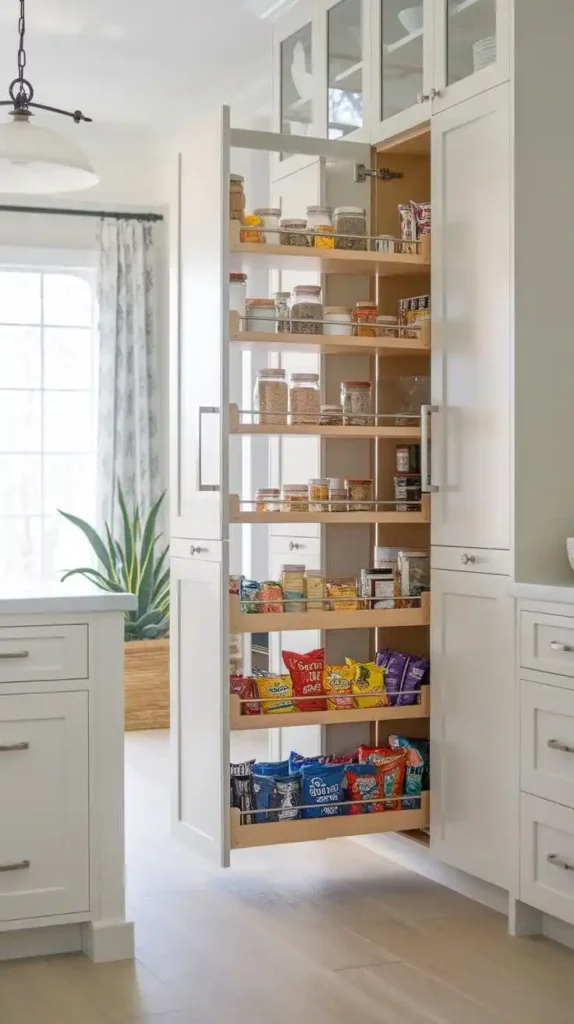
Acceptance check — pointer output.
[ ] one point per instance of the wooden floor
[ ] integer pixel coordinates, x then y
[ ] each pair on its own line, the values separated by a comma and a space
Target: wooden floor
324, 933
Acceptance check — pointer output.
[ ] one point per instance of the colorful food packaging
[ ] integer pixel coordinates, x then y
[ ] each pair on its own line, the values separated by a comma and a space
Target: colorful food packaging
279, 768
416, 674
241, 795
404, 676
235, 584
422, 214
391, 764
244, 687
364, 782
413, 785
276, 694
343, 594
271, 598
243, 768
264, 798
250, 591
408, 223
299, 761
322, 787
288, 797
338, 683
306, 672
368, 678
422, 746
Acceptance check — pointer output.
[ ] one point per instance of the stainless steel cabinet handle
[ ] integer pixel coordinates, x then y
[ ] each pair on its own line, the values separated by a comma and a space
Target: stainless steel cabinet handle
5, 747
559, 862
196, 550
204, 410
468, 559
19, 865
422, 97
555, 645
426, 468
557, 745
10, 655
435, 93
295, 547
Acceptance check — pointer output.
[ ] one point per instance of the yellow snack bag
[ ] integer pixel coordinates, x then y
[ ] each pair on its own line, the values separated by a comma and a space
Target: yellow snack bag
338, 681
280, 688
369, 678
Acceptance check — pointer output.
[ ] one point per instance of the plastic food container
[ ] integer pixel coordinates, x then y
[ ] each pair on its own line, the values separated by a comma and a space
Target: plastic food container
338, 496
293, 232
365, 316
282, 301
270, 219
238, 293
356, 401
314, 582
260, 315
295, 498
307, 309
320, 218
293, 583
271, 396
268, 499
305, 398
319, 495
414, 575
360, 495
385, 243
338, 320
331, 415
350, 221
387, 326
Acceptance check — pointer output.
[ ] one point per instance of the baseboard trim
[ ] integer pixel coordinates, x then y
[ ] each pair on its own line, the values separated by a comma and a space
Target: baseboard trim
64, 938
105, 941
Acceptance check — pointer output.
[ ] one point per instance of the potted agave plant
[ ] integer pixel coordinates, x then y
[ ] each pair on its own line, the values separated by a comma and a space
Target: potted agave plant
133, 564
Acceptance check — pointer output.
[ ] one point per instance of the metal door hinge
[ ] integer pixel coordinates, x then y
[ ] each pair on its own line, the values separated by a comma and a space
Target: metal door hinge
362, 172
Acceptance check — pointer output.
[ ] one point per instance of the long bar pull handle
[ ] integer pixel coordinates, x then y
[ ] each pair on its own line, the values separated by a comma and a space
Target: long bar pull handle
426, 468
11, 655
557, 745
19, 865
559, 862
556, 645
204, 410
6, 747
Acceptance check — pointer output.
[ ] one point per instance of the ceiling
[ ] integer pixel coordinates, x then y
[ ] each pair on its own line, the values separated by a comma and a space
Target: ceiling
146, 62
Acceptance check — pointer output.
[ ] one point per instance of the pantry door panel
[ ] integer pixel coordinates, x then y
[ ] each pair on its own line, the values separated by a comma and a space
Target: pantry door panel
199, 363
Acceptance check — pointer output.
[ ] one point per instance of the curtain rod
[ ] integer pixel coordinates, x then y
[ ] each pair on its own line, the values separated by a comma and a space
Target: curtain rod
82, 213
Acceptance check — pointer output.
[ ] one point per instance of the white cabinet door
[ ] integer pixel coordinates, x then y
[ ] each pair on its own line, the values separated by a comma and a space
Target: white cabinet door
401, 66
472, 723
199, 371
472, 45
299, 80
471, 350
44, 820
199, 702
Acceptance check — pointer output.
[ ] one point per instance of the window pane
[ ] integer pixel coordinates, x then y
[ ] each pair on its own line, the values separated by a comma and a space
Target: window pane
67, 300
20, 488
345, 52
68, 358
20, 357
69, 484
67, 422
20, 421
20, 547
20, 298
65, 547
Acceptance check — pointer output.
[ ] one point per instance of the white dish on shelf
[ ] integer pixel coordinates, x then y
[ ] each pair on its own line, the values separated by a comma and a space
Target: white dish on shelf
570, 550
411, 18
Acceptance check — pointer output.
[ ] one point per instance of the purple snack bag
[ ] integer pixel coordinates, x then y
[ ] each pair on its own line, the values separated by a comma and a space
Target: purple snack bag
413, 678
395, 665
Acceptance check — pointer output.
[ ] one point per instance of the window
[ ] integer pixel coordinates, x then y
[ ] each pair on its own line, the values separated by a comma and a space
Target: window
47, 418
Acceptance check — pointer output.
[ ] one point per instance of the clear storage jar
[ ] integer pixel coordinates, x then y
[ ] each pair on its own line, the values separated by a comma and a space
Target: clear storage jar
293, 583
238, 293
360, 495
365, 316
267, 499
269, 216
314, 583
305, 398
271, 396
319, 495
293, 232
319, 218
331, 415
338, 320
295, 498
338, 496
387, 327
356, 398
260, 315
350, 221
307, 309
414, 575
282, 302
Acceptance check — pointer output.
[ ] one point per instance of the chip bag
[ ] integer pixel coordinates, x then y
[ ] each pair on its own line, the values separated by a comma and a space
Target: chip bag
322, 787
338, 682
298, 761
363, 782
391, 764
368, 678
307, 671
276, 694
244, 688
269, 768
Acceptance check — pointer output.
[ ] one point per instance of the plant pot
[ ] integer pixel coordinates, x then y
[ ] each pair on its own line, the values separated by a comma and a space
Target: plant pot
146, 682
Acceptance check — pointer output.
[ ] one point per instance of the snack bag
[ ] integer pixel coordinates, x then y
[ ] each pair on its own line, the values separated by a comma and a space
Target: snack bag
391, 763
413, 785
369, 678
415, 676
269, 768
307, 671
243, 768
271, 597
276, 694
364, 781
338, 680
264, 797
250, 591
322, 785
408, 222
244, 688
422, 746
298, 761
345, 593
395, 665
422, 214
241, 792
288, 797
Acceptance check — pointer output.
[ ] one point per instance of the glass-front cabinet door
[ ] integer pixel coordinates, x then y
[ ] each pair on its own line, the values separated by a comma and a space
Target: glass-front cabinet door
297, 80
346, 67
402, 63
471, 49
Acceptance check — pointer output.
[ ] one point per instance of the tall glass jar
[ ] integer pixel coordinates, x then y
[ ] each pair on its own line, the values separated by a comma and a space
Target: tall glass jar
339, 320
307, 309
270, 397
349, 222
365, 316
293, 232
270, 219
238, 293
282, 302
320, 217
305, 398
356, 399
260, 315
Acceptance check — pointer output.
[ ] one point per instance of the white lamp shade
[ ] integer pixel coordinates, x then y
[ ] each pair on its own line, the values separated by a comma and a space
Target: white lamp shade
36, 160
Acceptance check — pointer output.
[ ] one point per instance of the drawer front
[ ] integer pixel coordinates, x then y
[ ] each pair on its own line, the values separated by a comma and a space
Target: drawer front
547, 642
30, 654
44, 833
202, 550
547, 857
547, 742
498, 563
295, 549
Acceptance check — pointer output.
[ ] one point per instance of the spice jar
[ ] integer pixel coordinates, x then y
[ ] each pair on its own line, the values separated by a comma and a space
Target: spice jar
282, 302
236, 197
305, 398
307, 309
360, 495
271, 396
408, 458
331, 415
293, 583
237, 292
319, 495
251, 230
385, 243
350, 221
295, 498
414, 575
338, 496
408, 492
339, 320
267, 499
320, 218
365, 316
314, 583
387, 327
270, 219
293, 232
356, 402
260, 315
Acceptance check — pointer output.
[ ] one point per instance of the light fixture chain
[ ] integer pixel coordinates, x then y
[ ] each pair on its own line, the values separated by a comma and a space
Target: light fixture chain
21, 50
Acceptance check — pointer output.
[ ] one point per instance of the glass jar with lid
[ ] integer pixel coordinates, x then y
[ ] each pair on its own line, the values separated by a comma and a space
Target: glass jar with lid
293, 232
282, 302
365, 316
320, 218
414, 575
267, 499
314, 581
260, 314
331, 415
356, 398
360, 495
269, 216
238, 293
295, 498
270, 397
305, 398
387, 327
319, 495
350, 224
338, 495
307, 309
338, 320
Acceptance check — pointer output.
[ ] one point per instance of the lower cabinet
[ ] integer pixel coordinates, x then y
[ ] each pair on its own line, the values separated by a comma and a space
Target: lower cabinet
44, 817
547, 857
472, 662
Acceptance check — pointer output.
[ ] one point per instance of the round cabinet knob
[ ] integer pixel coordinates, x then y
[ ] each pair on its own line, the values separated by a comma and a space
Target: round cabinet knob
423, 96
195, 550
435, 94
468, 559
295, 547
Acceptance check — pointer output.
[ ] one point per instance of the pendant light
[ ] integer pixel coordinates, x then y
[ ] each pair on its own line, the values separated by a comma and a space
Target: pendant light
34, 159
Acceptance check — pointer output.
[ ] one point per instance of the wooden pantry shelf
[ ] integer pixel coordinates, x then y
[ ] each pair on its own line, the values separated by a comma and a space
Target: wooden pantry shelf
306, 829
239, 722
316, 430
422, 517
381, 618
330, 344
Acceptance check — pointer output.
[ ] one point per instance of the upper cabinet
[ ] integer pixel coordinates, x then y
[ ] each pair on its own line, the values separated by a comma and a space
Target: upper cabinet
471, 49
347, 44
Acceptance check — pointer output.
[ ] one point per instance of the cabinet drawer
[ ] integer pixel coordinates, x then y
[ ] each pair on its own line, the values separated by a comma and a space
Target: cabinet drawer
202, 550
547, 642
296, 549
547, 742
44, 834
43, 653
483, 560
547, 857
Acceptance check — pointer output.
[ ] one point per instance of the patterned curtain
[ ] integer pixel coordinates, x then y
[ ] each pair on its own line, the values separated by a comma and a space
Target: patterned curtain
128, 418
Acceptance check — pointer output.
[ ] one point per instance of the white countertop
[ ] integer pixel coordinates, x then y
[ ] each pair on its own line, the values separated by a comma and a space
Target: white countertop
38, 598
542, 592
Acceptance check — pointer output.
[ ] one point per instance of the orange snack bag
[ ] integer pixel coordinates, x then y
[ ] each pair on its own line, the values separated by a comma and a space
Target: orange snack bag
338, 682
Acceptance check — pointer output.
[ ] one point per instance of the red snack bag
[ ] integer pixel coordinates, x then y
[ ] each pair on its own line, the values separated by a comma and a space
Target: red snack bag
244, 687
307, 671
392, 768
363, 782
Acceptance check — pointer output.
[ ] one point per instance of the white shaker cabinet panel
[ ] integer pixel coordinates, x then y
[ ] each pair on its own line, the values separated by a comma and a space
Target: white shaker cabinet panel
471, 723
471, 347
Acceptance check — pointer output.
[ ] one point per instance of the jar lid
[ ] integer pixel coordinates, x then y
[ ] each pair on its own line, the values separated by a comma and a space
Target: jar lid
237, 276
356, 211
236, 177
267, 211
273, 491
300, 377
387, 320
307, 289
320, 209
349, 483
334, 482
267, 303
315, 572
366, 304
356, 384
293, 222
295, 487
292, 568
414, 554
319, 481
282, 295
337, 309
272, 373
332, 408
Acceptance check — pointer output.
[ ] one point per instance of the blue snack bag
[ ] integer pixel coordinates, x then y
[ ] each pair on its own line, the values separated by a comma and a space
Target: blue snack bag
270, 768
322, 786
413, 785
264, 798
299, 761
422, 746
